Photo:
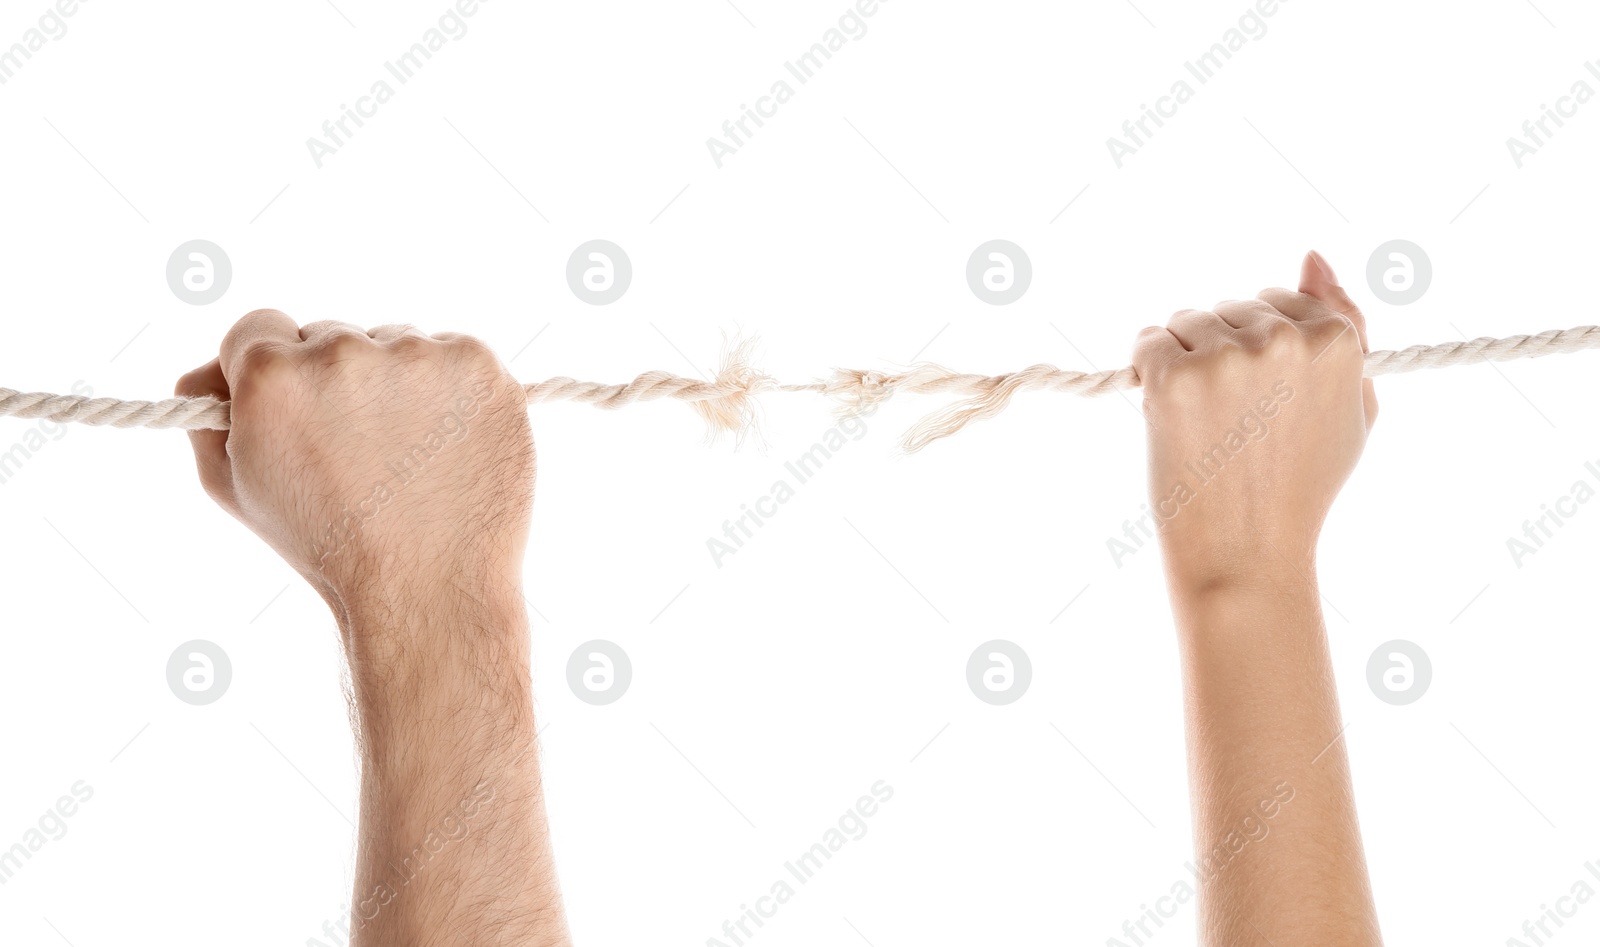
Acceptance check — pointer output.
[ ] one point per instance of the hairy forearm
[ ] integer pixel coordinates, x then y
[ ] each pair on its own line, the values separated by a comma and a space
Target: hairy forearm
454, 845
1278, 849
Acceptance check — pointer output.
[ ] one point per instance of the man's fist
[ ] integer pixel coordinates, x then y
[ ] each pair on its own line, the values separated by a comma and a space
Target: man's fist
375, 463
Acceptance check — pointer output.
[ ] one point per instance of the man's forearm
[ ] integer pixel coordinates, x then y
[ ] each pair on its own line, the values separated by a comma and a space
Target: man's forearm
1278, 849
454, 845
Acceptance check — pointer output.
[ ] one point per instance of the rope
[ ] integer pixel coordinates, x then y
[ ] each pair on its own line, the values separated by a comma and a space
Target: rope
727, 402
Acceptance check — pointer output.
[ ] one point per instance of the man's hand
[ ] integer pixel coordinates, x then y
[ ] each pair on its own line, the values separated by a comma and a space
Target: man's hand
1257, 414
395, 472
368, 459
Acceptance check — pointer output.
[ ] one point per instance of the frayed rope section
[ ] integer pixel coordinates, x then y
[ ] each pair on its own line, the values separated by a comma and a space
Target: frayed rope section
727, 403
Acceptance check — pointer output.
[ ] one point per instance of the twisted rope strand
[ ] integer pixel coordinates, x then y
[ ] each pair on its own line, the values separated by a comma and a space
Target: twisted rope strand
727, 402
993, 394
187, 413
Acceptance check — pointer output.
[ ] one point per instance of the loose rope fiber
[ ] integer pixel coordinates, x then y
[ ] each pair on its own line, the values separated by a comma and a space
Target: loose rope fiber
727, 402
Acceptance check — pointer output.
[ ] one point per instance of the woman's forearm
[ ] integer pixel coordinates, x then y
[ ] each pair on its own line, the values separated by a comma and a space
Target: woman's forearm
1278, 853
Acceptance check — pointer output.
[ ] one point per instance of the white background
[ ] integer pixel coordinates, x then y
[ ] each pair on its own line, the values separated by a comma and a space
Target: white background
770, 693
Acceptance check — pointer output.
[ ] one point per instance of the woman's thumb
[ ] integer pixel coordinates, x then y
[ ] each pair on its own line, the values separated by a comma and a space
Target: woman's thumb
1317, 280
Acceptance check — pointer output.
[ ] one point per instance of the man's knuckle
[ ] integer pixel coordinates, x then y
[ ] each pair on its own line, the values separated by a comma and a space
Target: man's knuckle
259, 357
343, 346
471, 345
411, 345
266, 376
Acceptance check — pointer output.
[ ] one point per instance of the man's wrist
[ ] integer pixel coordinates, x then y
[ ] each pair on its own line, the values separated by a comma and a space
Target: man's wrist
439, 648
450, 769
408, 604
